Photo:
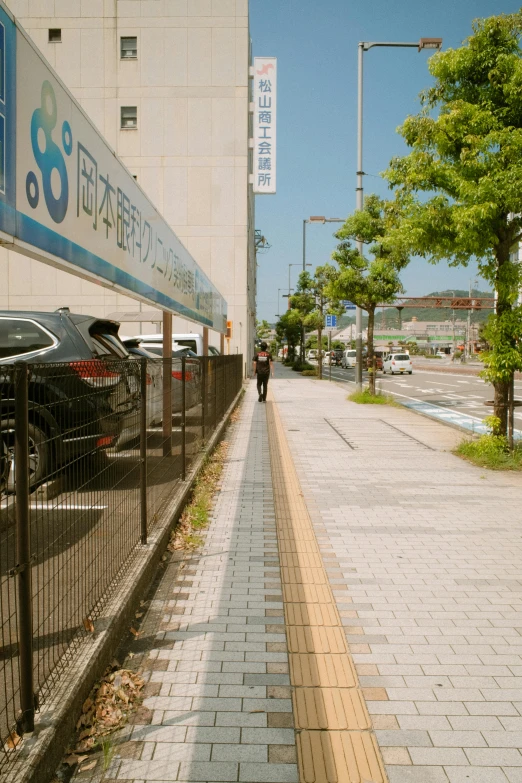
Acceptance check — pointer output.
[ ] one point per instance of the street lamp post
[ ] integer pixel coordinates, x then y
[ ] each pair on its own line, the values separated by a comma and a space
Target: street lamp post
364, 46
289, 271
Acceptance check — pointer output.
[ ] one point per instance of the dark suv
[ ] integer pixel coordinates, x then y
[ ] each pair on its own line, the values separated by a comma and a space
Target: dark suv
84, 392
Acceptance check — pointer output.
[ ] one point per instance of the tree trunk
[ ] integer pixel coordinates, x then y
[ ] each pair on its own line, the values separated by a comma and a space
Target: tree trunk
319, 352
501, 397
371, 321
500, 407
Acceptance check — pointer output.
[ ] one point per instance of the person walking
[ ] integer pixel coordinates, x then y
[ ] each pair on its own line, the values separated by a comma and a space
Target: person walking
263, 368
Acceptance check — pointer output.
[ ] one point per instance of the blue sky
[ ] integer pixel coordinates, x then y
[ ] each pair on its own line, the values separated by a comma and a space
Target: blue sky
316, 47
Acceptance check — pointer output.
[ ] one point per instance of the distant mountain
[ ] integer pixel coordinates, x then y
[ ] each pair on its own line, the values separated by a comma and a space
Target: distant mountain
391, 315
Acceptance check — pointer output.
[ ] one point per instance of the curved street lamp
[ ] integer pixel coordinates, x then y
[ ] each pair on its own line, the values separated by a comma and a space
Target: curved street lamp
364, 46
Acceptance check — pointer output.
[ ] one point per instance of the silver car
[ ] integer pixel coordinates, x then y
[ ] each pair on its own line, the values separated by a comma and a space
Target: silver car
154, 351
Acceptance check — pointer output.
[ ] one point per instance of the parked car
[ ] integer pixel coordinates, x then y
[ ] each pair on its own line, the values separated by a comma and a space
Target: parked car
193, 341
5, 465
154, 349
154, 379
398, 363
88, 402
312, 354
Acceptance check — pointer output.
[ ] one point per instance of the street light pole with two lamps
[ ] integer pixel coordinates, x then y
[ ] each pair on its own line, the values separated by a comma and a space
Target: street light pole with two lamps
313, 219
364, 46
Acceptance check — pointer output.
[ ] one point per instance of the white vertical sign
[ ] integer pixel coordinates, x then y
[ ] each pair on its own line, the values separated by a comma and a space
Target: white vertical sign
265, 108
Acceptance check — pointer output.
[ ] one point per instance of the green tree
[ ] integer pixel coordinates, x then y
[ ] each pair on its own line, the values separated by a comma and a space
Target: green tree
458, 192
314, 298
368, 282
288, 329
263, 329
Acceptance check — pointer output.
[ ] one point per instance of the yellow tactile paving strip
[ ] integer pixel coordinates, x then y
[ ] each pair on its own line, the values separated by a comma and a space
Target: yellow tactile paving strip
335, 743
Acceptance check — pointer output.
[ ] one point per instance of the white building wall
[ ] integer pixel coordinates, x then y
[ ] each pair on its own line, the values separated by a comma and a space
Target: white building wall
190, 83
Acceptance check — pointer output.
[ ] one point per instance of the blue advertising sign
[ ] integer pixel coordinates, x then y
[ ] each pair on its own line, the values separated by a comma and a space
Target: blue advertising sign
331, 321
67, 200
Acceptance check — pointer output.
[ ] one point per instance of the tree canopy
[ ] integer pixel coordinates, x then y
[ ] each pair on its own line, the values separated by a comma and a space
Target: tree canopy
314, 298
369, 280
458, 192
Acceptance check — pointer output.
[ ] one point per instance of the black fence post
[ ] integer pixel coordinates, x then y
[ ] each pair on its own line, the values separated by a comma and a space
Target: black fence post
183, 419
225, 397
216, 361
204, 362
143, 450
23, 549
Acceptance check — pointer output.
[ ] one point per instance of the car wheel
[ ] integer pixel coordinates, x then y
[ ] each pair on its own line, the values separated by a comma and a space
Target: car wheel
383, 371
39, 453
410, 372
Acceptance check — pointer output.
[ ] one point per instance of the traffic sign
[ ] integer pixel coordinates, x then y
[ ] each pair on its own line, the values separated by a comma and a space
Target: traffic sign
331, 321
349, 305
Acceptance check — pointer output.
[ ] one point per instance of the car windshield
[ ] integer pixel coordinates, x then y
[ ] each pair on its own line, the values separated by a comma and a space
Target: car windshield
351, 353
401, 357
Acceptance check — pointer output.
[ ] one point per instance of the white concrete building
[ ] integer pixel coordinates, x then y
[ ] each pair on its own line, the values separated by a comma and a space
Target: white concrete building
167, 83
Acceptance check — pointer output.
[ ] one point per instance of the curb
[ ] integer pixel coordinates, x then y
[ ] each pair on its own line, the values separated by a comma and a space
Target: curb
42, 751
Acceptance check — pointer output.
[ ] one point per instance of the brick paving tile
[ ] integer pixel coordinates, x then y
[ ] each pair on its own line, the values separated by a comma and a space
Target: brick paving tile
219, 702
423, 555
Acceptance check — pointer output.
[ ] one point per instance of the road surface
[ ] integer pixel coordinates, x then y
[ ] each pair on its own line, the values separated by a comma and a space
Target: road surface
463, 395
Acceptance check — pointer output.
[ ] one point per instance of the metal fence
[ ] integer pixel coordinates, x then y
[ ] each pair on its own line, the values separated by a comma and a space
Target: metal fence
89, 456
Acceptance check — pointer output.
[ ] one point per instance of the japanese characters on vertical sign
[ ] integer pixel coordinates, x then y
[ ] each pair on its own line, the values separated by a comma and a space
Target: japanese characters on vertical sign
265, 117
65, 195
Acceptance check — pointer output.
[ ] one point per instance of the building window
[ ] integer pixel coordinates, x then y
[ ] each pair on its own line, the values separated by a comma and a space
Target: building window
129, 117
129, 48
55, 35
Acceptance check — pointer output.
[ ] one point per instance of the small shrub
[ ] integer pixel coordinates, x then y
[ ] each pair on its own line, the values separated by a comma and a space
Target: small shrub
491, 451
365, 397
310, 373
299, 366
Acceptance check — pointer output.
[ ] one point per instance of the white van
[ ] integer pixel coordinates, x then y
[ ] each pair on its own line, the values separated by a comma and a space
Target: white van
191, 340
349, 358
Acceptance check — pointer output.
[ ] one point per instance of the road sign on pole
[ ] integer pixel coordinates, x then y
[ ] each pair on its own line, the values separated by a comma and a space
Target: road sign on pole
348, 305
331, 321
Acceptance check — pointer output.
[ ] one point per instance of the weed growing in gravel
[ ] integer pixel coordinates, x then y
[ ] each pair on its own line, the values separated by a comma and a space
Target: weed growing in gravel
196, 515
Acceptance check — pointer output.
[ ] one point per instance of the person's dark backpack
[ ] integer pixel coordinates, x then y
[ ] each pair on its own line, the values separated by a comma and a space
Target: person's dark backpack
263, 363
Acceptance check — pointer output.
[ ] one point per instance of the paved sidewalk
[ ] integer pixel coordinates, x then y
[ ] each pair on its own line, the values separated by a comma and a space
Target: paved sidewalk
392, 568
424, 555
219, 668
